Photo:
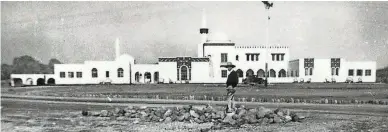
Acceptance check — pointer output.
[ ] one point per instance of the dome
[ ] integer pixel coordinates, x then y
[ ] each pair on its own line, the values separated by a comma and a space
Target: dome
219, 36
125, 57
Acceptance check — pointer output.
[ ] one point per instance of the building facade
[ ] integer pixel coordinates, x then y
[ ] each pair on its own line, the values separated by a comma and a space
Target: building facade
214, 50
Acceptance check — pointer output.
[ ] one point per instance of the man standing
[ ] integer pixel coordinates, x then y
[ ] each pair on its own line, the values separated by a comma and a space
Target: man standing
231, 83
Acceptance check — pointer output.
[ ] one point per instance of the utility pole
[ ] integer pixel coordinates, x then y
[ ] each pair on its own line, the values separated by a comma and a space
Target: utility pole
267, 6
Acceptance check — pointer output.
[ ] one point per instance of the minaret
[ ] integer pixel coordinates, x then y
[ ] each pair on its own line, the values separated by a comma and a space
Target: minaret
117, 42
204, 34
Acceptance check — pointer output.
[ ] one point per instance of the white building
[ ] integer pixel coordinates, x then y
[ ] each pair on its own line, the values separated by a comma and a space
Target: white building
214, 50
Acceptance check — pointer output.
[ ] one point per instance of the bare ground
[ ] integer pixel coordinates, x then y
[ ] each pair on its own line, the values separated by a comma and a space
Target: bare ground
37, 116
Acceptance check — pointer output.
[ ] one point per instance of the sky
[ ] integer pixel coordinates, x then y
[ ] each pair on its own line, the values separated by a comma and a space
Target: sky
74, 32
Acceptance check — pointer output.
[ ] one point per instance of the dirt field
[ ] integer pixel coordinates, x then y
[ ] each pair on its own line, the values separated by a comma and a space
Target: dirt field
179, 91
38, 117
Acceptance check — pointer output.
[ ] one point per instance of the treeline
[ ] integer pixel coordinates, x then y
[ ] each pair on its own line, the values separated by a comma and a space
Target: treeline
382, 75
27, 65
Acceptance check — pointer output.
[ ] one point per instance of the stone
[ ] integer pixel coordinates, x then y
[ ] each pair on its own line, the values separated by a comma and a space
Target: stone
288, 118
187, 107
262, 112
297, 101
335, 102
220, 115
277, 119
168, 113
270, 120
187, 116
229, 119
326, 101
143, 107
144, 114
265, 121
94, 113
194, 114
292, 100
199, 121
84, 113
104, 113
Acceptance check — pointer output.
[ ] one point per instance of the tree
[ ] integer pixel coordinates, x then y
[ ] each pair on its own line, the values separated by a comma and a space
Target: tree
26, 65
6, 71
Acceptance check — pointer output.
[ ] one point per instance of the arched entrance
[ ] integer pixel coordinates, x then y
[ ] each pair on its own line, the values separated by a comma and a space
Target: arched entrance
137, 77
51, 81
147, 77
240, 73
260, 73
29, 81
282, 73
184, 73
40, 81
156, 77
249, 73
17, 82
272, 73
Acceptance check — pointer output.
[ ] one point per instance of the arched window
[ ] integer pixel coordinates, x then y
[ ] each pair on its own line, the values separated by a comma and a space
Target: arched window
306, 71
94, 73
147, 77
184, 73
137, 77
272, 73
120, 72
260, 73
240, 73
236, 57
249, 73
282, 73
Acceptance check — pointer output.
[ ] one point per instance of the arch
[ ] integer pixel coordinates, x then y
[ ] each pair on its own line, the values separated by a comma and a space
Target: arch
272, 73
147, 77
137, 77
183, 72
51, 81
260, 73
240, 73
282, 73
250, 73
237, 58
18, 82
29, 81
120, 72
156, 77
94, 73
40, 81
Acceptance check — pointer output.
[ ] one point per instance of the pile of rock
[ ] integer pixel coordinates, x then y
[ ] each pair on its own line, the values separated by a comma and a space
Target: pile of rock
206, 114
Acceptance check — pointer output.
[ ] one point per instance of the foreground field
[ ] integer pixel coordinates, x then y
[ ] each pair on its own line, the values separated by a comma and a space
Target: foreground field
180, 91
40, 116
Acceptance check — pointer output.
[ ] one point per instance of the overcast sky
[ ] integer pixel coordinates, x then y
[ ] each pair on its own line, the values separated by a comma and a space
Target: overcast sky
77, 31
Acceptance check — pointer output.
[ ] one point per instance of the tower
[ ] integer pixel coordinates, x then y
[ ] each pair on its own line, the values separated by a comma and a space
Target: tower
117, 48
204, 34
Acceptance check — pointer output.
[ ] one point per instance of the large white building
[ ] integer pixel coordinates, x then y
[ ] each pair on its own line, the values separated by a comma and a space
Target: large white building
214, 50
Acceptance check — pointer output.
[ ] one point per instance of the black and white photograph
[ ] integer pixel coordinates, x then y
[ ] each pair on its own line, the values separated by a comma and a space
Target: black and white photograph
194, 66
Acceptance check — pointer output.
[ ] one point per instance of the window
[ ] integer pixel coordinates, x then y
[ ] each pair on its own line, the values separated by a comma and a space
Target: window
273, 57
120, 72
224, 73
296, 73
94, 73
277, 57
236, 57
311, 71
107, 74
184, 73
62, 74
247, 57
351, 72
257, 57
79, 74
70, 74
292, 73
368, 72
332, 71
252, 57
359, 72
337, 71
282, 57
224, 57
306, 71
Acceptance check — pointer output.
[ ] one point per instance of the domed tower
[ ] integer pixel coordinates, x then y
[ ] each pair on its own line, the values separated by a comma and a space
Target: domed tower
204, 31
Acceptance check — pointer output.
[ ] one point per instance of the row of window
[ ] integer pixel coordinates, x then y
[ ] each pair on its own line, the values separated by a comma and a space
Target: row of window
359, 72
253, 57
260, 73
120, 73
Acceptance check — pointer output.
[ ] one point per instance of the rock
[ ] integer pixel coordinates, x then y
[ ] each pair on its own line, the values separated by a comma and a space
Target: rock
194, 114
262, 112
94, 113
241, 111
326, 101
219, 115
205, 129
143, 107
265, 121
187, 116
120, 112
187, 107
181, 118
229, 119
199, 121
335, 102
277, 119
297, 101
104, 113
168, 113
84, 113
270, 120
288, 118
